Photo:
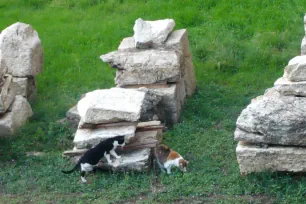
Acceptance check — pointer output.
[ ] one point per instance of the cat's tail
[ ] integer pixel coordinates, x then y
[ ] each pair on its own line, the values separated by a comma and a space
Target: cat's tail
72, 170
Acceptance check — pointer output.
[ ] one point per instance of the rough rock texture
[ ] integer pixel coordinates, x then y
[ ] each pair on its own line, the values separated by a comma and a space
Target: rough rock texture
3, 67
19, 112
296, 69
173, 98
7, 93
303, 46
147, 33
286, 87
178, 42
137, 160
73, 117
21, 50
127, 43
26, 87
144, 67
274, 120
252, 158
89, 137
112, 105
168, 110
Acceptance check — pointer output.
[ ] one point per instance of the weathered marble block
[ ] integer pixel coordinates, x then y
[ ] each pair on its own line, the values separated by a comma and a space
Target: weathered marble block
21, 50
296, 69
90, 137
144, 67
26, 87
147, 33
252, 158
178, 42
114, 105
7, 93
289, 88
273, 120
19, 112
136, 160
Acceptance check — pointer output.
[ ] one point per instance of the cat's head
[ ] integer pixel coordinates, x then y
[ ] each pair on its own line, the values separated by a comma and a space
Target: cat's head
183, 164
119, 141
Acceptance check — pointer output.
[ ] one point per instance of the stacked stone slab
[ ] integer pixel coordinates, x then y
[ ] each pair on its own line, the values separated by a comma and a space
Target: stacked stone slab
272, 130
108, 113
159, 59
21, 59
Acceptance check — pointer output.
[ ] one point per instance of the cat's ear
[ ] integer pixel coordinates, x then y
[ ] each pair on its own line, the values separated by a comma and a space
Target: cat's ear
187, 162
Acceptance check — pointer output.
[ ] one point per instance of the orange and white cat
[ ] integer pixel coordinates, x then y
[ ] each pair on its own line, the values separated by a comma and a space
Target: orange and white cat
167, 158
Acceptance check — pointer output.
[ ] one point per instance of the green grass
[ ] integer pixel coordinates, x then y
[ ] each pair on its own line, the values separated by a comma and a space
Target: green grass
252, 40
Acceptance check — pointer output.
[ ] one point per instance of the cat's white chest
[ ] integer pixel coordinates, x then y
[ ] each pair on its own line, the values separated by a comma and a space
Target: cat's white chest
86, 167
174, 162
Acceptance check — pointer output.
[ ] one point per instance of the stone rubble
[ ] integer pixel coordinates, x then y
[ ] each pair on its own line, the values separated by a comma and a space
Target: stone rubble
154, 75
147, 33
271, 130
21, 60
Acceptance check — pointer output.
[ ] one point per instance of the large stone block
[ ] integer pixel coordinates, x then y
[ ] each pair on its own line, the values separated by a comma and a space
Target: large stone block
3, 67
21, 50
273, 120
26, 87
144, 67
173, 97
136, 160
19, 112
252, 158
89, 137
286, 87
296, 69
147, 33
178, 42
114, 105
7, 93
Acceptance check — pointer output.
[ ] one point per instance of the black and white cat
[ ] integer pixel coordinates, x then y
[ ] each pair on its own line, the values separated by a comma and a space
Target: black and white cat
90, 158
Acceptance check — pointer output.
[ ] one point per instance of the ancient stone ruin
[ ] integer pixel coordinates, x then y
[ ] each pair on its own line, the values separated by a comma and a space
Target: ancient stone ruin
21, 59
271, 130
154, 74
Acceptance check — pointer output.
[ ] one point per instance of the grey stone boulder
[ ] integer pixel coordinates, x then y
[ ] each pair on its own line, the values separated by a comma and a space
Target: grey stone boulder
135, 160
178, 42
26, 87
273, 120
286, 87
3, 67
112, 105
303, 46
147, 33
21, 50
173, 99
144, 67
85, 138
17, 116
7, 93
252, 158
296, 69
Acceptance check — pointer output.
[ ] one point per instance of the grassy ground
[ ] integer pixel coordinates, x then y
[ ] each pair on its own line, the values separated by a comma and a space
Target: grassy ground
252, 40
